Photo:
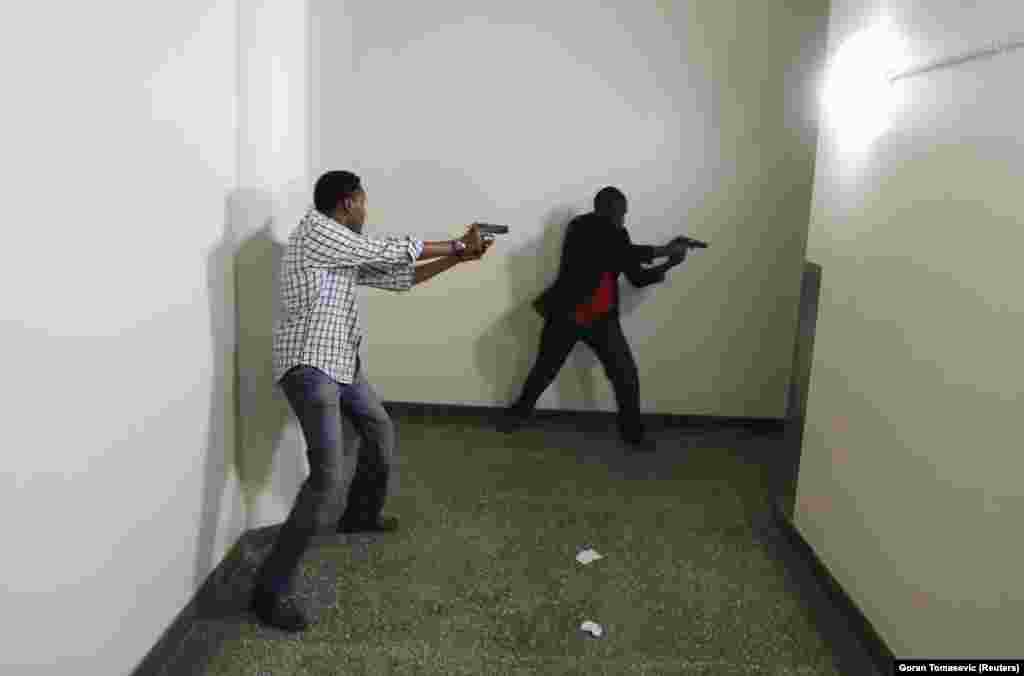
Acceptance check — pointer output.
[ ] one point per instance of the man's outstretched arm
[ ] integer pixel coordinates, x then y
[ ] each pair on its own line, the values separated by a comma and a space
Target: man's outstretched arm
428, 251
633, 256
433, 250
424, 272
641, 276
433, 268
404, 277
472, 240
630, 256
398, 277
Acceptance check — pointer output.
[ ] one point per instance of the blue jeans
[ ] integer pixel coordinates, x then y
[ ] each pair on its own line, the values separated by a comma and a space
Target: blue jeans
319, 402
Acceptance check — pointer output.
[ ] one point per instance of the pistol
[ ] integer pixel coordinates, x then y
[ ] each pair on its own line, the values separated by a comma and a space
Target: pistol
693, 243
489, 230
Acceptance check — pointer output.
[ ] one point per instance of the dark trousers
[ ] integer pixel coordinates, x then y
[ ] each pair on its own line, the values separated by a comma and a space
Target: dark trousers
607, 340
319, 402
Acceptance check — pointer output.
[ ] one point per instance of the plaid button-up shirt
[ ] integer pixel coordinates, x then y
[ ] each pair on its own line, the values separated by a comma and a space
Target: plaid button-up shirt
323, 263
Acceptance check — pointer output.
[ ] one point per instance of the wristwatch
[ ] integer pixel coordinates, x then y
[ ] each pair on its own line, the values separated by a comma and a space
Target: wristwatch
458, 247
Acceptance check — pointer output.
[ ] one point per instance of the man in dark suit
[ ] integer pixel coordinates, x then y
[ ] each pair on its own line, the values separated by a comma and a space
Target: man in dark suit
583, 304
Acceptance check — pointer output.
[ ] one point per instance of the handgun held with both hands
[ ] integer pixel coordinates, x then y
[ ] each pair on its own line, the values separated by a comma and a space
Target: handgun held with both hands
684, 243
677, 249
489, 230
478, 239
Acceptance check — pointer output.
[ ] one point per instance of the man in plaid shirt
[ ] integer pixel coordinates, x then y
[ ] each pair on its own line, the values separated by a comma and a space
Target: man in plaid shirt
317, 365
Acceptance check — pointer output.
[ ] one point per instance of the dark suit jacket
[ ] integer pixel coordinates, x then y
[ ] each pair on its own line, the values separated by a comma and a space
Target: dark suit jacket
594, 245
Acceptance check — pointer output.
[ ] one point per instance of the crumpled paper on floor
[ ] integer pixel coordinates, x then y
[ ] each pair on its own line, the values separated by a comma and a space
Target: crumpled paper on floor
588, 556
593, 628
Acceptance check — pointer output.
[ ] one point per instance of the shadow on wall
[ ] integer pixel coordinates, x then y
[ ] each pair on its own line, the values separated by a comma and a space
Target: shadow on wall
508, 349
220, 446
263, 411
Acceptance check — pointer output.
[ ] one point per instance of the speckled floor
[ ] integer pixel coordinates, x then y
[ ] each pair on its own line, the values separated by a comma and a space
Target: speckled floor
482, 576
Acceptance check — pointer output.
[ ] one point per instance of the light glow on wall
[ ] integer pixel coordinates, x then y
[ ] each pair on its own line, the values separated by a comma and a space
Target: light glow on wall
859, 99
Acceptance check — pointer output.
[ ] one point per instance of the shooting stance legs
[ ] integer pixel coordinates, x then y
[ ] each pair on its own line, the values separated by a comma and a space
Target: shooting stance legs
319, 402
606, 338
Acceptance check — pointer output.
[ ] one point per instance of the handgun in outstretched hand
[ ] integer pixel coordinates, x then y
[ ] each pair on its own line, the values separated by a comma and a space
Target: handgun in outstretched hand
688, 243
489, 230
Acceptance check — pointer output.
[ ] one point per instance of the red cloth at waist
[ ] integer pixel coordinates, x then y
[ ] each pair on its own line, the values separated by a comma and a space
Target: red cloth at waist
603, 300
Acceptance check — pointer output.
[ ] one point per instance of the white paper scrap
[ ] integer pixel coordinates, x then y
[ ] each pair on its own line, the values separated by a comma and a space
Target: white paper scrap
592, 627
588, 556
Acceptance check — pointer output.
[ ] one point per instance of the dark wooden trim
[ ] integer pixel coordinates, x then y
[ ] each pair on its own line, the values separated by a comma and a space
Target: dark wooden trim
846, 607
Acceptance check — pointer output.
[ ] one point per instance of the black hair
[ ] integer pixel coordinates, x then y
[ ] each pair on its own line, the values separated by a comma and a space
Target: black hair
333, 187
607, 198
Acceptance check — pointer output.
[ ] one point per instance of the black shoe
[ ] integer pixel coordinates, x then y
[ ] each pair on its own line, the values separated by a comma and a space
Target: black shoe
383, 524
511, 420
277, 611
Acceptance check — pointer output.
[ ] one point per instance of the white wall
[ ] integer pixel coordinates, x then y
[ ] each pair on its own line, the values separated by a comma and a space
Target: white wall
518, 113
273, 191
119, 491
909, 487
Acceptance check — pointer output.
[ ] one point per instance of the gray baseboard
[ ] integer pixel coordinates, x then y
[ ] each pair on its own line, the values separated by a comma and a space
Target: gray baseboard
219, 584
455, 411
168, 645
876, 648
